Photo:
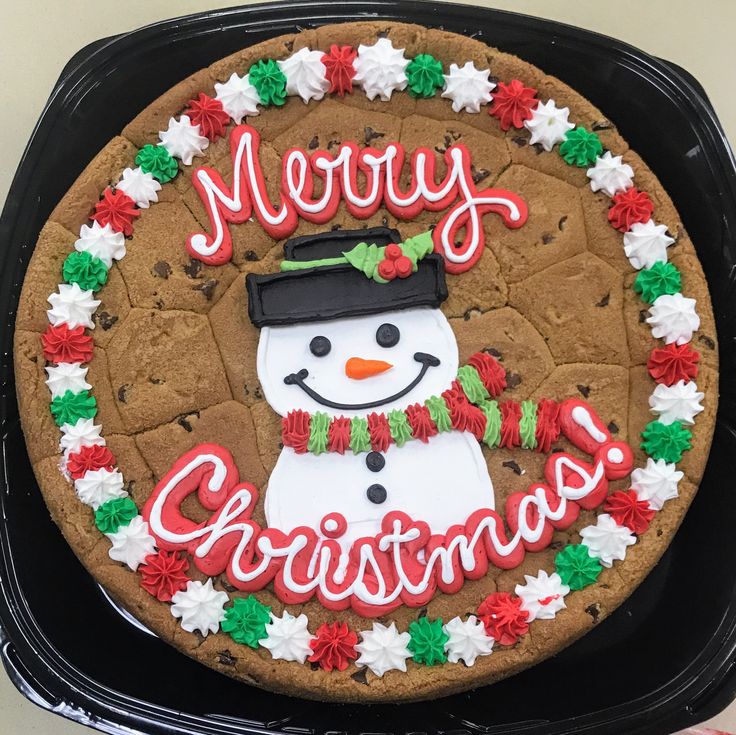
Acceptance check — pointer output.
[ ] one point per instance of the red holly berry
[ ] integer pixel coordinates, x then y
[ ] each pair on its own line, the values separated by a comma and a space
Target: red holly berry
630, 207
393, 251
340, 69
92, 457
117, 209
387, 269
334, 646
513, 103
164, 574
627, 510
503, 617
670, 364
61, 344
209, 115
403, 266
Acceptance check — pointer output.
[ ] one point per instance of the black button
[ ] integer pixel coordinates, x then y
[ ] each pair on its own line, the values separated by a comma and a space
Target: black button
376, 494
375, 461
388, 335
320, 346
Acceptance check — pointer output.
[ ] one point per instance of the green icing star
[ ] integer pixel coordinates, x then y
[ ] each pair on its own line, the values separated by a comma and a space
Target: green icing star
661, 278
528, 425
665, 441
398, 425
472, 384
246, 620
157, 161
424, 75
70, 407
115, 513
270, 82
581, 148
576, 567
427, 643
360, 437
439, 413
318, 430
84, 269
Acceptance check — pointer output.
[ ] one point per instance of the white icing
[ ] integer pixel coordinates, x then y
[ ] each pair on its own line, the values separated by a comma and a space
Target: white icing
657, 482
83, 433
102, 242
288, 638
615, 455
646, 244
542, 596
610, 174
141, 187
305, 75
183, 140
72, 306
678, 402
383, 649
581, 416
548, 125
607, 541
673, 318
468, 87
380, 69
238, 96
131, 544
66, 376
467, 640
200, 607
96, 487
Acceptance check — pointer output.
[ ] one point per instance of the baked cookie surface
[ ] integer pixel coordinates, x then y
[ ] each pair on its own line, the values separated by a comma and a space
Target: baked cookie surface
558, 303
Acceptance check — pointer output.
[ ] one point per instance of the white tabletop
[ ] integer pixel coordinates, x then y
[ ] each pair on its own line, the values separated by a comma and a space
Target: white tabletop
37, 37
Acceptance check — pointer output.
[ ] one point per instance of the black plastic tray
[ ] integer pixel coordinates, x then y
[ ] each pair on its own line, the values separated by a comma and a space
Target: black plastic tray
663, 661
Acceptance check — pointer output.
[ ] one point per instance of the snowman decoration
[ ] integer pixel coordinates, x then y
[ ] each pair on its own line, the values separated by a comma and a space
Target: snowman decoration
348, 335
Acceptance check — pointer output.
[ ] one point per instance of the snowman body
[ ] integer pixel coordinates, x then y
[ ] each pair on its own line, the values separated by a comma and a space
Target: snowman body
411, 355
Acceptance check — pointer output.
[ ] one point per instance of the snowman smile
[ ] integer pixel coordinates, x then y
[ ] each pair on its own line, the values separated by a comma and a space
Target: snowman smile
427, 361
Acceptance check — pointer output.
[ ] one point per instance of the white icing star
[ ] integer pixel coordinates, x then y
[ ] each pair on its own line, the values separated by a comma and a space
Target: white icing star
66, 376
673, 318
548, 125
467, 640
678, 402
305, 75
646, 244
607, 541
657, 482
83, 433
182, 139
610, 174
96, 487
131, 544
102, 242
383, 649
542, 596
380, 69
238, 97
468, 87
139, 186
72, 306
200, 607
288, 638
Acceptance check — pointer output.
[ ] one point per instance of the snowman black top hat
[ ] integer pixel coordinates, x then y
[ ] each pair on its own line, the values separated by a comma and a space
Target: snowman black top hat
345, 273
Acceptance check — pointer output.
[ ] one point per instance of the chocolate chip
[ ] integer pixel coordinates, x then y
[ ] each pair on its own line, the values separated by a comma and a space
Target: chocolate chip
333, 144
313, 143
361, 676
594, 611
193, 268
547, 238
369, 134
257, 392
207, 287
251, 255
556, 450
602, 125
604, 301
470, 313
561, 224
382, 34
226, 658
513, 380
226, 585
334, 228
479, 174
183, 421
659, 532
643, 315
513, 466
162, 269
122, 390
105, 319
455, 135
613, 428
538, 148
556, 545
314, 666
159, 304
584, 390
494, 352
422, 613
156, 381
707, 341
520, 140
384, 221
289, 46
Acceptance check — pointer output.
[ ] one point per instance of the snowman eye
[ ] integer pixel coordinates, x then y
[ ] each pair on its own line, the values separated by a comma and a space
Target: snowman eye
387, 335
320, 346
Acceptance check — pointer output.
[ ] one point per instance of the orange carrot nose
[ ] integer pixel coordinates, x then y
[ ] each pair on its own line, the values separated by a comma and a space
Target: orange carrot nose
359, 369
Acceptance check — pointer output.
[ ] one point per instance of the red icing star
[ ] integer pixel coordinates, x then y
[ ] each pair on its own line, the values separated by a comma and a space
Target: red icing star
548, 424
92, 457
503, 617
295, 427
627, 510
61, 344
209, 115
670, 364
492, 375
629, 207
420, 420
338, 435
164, 574
334, 646
339, 69
117, 209
513, 103
379, 432
510, 429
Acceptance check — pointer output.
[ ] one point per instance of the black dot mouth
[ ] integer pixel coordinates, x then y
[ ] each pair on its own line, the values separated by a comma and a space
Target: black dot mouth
424, 358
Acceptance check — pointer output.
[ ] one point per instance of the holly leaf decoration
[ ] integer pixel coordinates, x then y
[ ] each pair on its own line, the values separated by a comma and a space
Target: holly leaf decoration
417, 247
366, 258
